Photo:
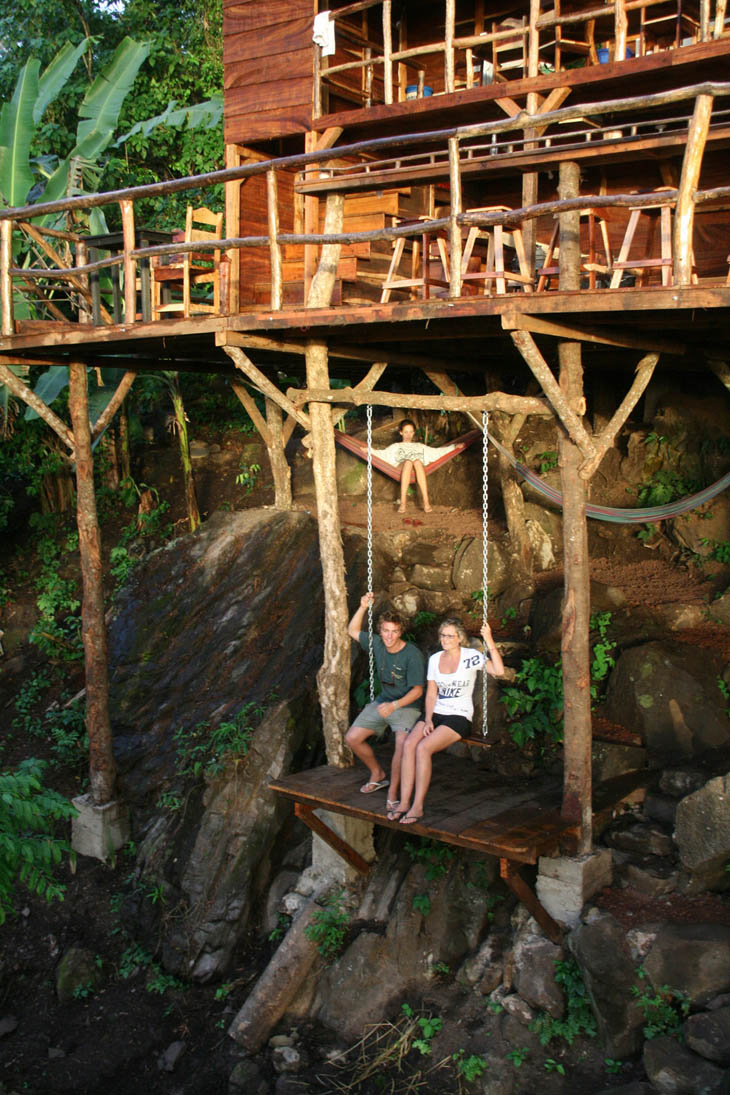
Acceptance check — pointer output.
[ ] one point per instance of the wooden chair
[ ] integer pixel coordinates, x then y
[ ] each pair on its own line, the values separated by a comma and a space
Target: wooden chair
192, 269
492, 272
427, 250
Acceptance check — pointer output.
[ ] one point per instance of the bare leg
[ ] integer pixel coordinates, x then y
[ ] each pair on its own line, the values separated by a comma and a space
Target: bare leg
408, 766
395, 767
405, 481
441, 738
422, 484
356, 738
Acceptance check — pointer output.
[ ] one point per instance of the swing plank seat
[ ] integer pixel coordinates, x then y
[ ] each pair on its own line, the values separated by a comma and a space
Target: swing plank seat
359, 448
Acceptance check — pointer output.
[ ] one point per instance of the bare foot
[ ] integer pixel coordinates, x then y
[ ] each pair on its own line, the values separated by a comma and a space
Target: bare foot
401, 509
427, 509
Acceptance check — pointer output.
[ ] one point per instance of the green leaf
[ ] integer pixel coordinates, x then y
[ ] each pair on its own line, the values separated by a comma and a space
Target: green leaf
55, 76
50, 385
16, 133
206, 114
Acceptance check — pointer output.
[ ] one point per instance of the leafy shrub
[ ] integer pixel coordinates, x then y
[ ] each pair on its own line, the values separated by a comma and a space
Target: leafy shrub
29, 847
578, 1017
329, 925
664, 1010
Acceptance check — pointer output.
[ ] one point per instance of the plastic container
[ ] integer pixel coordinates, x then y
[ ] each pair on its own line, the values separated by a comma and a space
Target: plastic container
604, 55
412, 91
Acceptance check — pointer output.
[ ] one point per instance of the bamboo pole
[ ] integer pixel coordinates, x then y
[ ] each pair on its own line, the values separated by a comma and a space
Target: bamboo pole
691, 167
272, 202
449, 26
102, 769
387, 52
7, 322
455, 249
130, 266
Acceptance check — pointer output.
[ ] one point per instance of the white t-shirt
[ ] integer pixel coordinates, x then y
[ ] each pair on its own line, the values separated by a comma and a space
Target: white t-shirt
455, 689
400, 451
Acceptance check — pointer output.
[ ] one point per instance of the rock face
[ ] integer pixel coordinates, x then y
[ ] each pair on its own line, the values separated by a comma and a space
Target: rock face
669, 692
228, 617
694, 958
674, 1070
608, 971
703, 832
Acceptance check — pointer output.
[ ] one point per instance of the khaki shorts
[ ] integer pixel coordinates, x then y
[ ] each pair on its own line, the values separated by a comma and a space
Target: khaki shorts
403, 718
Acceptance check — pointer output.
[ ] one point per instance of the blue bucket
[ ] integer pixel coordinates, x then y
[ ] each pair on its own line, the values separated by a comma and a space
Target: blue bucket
412, 91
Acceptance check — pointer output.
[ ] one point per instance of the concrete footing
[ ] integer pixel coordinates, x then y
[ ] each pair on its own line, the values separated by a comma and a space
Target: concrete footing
355, 832
564, 884
99, 831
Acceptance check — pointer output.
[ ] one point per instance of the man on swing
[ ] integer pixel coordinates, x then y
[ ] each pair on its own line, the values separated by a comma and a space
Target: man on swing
401, 671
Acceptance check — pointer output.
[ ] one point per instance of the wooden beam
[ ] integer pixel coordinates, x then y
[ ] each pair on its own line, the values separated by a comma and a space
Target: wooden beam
454, 212
114, 404
233, 227
14, 384
543, 374
129, 265
272, 209
264, 385
510, 874
515, 321
249, 405
604, 441
329, 836
493, 401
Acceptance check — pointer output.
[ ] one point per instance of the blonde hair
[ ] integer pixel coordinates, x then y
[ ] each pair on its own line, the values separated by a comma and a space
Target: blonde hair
453, 621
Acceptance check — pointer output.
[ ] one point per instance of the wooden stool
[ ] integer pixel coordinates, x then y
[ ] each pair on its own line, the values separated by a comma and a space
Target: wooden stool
494, 273
424, 250
591, 266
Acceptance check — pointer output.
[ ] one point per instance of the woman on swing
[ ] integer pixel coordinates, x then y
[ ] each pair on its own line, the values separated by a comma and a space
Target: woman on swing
411, 456
451, 677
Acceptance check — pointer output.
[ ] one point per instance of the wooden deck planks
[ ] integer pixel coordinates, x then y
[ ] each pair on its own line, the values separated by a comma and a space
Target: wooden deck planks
466, 806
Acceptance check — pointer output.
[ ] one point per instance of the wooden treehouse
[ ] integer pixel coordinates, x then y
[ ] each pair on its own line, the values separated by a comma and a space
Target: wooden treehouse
461, 187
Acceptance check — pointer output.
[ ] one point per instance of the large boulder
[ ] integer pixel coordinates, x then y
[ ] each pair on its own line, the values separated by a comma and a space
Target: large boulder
708, 1034
467, 573
608, 971
674, 1070
224, 620
668, 692
691, 958
702, 833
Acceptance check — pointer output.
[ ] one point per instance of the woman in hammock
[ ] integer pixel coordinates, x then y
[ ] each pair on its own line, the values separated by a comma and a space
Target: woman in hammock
451, 676
411, 455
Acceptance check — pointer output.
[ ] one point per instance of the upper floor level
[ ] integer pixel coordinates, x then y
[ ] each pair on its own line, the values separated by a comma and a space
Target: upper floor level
290, 68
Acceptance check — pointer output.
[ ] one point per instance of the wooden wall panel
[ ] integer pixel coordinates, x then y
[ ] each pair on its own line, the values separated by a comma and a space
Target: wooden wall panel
267, 58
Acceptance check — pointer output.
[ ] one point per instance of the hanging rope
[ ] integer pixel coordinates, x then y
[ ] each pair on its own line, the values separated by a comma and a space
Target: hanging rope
485, 554
371, 654
610, 513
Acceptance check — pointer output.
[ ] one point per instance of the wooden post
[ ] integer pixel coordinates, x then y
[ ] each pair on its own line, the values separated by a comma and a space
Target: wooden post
130, 266
387, 52
102, 769
720, 9
333, 679
7, 325
85, 316
280, 469
274, 247
684, 216
311, 218
233, 229
531, 179
317, 81
621, 24
575, 645
449, 24
454, 227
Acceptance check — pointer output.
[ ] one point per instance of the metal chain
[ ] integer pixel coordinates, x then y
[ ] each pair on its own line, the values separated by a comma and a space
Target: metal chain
371, 655
485, 554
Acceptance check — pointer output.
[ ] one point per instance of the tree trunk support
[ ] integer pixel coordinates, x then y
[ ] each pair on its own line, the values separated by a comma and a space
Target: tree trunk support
273, 436
684, 216
509, 873
333, 678
330, 837
575, 646
102, 769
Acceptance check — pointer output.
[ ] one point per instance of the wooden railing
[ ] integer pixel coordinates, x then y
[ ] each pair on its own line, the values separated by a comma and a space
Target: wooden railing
75, 276
615, 30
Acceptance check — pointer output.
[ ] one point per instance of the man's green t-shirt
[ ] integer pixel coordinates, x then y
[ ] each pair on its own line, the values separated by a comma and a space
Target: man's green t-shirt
398, 673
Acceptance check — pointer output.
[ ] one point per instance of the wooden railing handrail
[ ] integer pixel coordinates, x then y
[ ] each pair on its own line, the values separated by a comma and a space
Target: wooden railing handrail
523, 120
